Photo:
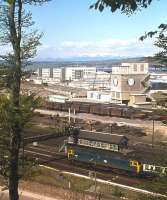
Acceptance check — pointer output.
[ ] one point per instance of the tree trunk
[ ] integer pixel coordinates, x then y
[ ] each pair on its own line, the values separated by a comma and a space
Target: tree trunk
13, 169
15, 140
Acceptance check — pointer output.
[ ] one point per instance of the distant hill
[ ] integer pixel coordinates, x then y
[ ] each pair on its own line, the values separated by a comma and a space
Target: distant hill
87, 59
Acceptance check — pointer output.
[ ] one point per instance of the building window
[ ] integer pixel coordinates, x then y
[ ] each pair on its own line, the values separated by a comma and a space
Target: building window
78, 74
91, 94
142, 67
113, 94
135, 67
118, 95
99, 96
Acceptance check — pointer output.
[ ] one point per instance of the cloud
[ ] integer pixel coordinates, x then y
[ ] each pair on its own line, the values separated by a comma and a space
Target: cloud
103, 48
109, 47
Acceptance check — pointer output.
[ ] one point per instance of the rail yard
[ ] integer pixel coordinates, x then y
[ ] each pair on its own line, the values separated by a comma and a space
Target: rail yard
47, 150
139, 161
83, 110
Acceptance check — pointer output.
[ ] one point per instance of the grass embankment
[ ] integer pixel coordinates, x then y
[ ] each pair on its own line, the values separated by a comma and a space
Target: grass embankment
57, 179
56, 184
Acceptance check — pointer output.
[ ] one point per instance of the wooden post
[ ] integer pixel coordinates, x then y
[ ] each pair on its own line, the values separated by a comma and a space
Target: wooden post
110, 125
69, 115
153, 133
74, 115
95, 180
23, 149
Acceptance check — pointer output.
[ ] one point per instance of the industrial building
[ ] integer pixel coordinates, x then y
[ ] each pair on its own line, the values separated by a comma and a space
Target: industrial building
77, 73
128, 84
53, 75
93, 81
131, 68
50, 75
128, 79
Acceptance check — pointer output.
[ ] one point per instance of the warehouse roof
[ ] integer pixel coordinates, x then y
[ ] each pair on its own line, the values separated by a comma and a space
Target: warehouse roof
103, 137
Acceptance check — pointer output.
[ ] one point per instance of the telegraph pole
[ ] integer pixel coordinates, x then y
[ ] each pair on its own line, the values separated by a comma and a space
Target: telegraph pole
69, 116
153, 132
95, 180
74, 116
110, 126
23, 149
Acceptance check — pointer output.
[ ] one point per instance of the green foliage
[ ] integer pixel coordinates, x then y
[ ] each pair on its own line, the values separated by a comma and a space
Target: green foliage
4, 71
117, 192
10, 1
161, 98
157, 185
16, 109
161, 42
128, 6
9, 114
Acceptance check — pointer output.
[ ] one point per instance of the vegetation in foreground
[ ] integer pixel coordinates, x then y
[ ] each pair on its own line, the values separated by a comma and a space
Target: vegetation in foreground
59, 180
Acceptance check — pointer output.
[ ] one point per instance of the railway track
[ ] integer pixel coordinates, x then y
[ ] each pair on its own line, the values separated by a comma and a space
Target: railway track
60, 162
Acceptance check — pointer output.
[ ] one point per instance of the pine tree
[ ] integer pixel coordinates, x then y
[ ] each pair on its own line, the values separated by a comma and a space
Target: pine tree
15, 109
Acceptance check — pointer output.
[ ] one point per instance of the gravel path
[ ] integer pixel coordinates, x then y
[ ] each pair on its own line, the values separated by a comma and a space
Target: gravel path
147, 125
26, 195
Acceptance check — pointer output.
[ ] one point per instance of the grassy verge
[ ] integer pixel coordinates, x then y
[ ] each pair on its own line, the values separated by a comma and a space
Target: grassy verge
59, 183
81, 185
156, 185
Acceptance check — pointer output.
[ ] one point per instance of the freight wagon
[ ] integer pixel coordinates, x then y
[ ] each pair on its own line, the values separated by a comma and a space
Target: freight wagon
109, 109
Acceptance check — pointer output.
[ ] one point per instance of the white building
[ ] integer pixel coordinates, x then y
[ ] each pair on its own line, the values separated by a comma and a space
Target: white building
131, 68
77, 73
50, 75
57, 73
95, 80
43, 72
99, 96
64, 74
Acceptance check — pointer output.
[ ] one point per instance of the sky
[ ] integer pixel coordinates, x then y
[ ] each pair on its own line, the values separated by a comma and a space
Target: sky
71, 29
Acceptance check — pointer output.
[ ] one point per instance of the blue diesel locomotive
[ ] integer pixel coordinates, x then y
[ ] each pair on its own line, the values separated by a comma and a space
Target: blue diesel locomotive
107, 150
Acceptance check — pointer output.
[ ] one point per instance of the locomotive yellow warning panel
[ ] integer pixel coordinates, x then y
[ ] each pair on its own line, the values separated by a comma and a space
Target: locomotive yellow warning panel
137, 165
70, 153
